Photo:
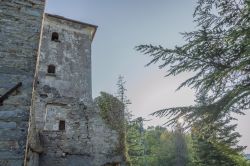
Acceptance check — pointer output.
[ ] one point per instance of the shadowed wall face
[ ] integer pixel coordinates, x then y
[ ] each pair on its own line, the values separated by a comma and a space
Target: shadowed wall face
20, 28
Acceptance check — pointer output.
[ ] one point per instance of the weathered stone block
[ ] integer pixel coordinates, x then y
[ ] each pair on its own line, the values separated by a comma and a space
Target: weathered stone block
11, 155
7, 125
10, 134
6, 145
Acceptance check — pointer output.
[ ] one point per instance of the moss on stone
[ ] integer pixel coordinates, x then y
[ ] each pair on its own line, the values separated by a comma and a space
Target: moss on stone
112, 112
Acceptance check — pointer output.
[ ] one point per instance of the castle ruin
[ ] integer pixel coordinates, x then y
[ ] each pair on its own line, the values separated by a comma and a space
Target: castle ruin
47, 114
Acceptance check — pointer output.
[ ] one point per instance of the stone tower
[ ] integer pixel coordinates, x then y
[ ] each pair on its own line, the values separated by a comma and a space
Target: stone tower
64, 71
45, 85
70, 128
20, 28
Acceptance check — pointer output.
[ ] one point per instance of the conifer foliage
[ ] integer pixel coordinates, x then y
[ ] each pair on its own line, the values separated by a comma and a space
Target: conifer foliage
218, 52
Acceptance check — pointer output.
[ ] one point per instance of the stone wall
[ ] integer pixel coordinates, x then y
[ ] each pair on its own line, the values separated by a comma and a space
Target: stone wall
70, 54
65, 95
86, 141
52, 97
20, 27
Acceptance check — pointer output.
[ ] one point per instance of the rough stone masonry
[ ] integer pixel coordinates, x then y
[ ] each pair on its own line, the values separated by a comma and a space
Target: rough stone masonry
51, 57
20, 29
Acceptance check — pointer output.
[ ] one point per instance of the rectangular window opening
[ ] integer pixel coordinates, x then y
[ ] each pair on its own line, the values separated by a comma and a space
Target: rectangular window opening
62, 125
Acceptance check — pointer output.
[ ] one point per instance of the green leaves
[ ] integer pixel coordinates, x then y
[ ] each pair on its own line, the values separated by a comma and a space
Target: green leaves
218, 53
111, 110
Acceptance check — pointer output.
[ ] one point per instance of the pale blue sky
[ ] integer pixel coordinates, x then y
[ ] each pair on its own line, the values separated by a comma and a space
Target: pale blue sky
123, 24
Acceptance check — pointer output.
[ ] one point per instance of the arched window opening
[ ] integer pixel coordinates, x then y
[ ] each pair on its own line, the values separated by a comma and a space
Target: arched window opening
55, 37
51, 69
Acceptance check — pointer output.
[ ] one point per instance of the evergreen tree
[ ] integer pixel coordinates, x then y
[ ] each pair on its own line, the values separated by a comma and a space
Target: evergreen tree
134, 142
133, 127
121, 95
218, 146
180, 146
215, 143
218, 52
